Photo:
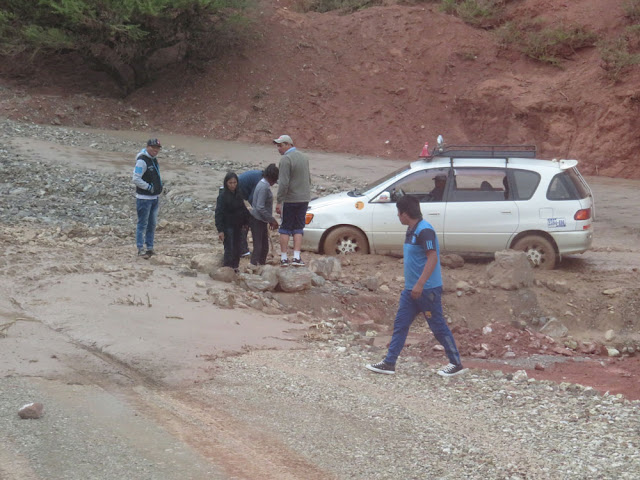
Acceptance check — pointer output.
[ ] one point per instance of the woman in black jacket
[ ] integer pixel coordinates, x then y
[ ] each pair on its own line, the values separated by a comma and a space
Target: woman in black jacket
231, 217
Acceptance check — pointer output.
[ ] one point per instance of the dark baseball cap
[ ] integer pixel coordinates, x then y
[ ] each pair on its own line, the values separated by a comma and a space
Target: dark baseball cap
154, 142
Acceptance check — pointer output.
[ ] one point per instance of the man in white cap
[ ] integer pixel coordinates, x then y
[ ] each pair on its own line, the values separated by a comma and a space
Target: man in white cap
294, 194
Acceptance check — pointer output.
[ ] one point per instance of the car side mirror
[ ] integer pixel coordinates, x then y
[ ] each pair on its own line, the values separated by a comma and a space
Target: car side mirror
384, 197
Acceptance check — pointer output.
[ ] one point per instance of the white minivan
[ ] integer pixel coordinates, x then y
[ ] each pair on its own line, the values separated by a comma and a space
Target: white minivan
479, 199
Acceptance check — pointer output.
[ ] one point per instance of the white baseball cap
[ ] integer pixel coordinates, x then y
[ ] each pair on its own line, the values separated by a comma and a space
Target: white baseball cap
283, 139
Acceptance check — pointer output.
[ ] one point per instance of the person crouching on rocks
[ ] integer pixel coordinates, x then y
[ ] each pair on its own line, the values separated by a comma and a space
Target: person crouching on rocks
231, 217
262, 215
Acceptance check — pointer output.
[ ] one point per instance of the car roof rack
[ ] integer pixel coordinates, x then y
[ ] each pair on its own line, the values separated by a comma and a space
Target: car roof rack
485, 151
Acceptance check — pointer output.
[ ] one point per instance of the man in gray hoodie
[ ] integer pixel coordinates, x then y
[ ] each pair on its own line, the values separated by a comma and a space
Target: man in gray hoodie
294, 194
262, 215
148, 182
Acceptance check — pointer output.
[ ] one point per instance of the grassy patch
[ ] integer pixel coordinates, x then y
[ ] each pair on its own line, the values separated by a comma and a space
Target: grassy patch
479, 13
621, 54
632, 9
548, 44
346, 6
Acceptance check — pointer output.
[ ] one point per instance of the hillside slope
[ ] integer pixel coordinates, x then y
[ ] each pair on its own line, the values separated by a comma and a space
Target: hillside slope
381, 81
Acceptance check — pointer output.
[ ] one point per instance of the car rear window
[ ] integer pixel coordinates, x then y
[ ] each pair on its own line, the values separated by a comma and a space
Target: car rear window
567, 186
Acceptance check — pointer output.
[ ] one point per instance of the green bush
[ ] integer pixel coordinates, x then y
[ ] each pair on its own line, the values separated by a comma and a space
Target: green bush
345, 6
620, 54
548, 44
120, 36
632, 9
479, 13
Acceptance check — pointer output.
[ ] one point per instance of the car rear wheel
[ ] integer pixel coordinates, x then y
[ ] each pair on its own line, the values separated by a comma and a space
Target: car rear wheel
345, 240
539, 250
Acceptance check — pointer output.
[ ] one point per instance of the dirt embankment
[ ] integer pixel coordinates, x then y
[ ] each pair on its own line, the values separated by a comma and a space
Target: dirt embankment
381, 81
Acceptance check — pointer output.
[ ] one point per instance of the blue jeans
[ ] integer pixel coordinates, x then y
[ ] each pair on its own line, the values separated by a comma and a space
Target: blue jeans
430, 305
147, 219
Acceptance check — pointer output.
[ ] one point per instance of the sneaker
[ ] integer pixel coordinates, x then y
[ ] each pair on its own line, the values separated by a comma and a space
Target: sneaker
246, 254
297, 262
141, 252
284, 262
382, 367
451, 370
150, 253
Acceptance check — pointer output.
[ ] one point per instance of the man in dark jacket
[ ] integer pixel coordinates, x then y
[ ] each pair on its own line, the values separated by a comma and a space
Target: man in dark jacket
146, 178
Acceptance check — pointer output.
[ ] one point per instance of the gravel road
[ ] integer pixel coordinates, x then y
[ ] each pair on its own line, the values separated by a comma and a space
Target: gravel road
310, 412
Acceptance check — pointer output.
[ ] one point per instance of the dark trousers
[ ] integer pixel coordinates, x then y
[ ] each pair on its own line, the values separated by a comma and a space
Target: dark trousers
260, 234
232, 238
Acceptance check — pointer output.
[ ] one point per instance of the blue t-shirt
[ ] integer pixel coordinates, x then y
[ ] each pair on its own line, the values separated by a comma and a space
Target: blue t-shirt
417, 243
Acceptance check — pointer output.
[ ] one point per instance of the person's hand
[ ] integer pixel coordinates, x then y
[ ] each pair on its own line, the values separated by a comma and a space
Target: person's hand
274, 225
279, 208
150, 188
416, 291
221, 236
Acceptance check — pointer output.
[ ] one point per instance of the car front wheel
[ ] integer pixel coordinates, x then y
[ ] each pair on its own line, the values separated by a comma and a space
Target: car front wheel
345, 240
539, 250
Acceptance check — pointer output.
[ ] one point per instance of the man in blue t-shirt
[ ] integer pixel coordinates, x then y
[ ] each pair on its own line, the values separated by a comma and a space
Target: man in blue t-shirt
422, 290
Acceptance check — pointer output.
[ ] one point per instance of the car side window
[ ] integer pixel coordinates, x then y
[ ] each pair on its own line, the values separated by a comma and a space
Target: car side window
479, 185
525, 184
425, 185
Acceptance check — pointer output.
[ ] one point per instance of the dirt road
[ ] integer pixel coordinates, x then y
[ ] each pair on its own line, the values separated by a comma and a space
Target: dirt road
143, 377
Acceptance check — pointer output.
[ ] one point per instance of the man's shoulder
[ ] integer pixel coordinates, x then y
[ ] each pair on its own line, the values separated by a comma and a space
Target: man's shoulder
423, 225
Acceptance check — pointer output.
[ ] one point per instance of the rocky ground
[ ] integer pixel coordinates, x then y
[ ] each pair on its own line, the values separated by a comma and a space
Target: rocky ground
168, 372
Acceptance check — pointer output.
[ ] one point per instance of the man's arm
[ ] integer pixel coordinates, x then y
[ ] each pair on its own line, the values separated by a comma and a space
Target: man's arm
283, 179
138, 172
260, 196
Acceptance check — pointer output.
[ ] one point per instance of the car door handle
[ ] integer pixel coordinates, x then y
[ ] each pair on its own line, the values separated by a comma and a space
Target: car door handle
506, 211
434, 214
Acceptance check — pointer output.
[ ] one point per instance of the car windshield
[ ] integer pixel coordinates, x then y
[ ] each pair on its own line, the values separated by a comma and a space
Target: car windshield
372, 185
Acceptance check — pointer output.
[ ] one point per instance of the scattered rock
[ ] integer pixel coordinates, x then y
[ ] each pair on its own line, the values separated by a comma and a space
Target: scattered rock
555, 329
452, 261
31, 411
613, 352
223, 274
520, 376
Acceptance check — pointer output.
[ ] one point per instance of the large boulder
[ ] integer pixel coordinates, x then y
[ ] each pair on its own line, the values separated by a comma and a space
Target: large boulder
266, 281
511, 270
223, 274
328, 268
294, 279
206, 262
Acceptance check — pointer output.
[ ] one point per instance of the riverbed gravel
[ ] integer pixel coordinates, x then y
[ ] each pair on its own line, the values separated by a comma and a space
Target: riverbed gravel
417, 425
